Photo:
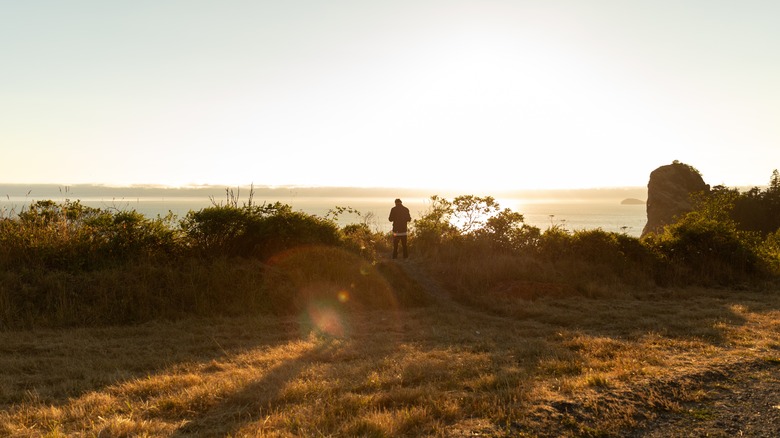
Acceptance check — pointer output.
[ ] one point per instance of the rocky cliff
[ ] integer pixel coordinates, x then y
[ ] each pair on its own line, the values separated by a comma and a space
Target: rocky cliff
669, 194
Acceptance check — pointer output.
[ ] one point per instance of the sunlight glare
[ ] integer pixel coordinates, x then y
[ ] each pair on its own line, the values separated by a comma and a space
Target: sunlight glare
326, 318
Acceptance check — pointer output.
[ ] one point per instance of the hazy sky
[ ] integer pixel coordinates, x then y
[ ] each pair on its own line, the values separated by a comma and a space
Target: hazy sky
445, 94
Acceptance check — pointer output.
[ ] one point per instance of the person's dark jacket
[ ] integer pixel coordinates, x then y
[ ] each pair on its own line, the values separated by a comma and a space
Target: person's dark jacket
399, 216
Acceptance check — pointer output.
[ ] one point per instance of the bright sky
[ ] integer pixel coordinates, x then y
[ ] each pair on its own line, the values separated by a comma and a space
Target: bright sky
504, 94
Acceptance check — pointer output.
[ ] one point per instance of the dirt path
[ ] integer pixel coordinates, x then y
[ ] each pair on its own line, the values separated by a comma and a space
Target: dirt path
742, 399
415, 270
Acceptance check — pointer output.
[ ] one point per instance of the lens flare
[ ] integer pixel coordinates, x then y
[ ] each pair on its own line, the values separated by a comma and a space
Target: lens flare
327, 319
333, 288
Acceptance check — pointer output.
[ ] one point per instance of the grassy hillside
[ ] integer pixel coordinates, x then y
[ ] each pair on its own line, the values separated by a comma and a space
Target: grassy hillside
66, 264
556, 366
256, 320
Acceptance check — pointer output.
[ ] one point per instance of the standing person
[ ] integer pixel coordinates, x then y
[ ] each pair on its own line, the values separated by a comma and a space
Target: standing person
399, 216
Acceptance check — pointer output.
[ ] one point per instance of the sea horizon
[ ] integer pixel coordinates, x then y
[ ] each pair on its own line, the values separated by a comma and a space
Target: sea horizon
75, 191
573, 209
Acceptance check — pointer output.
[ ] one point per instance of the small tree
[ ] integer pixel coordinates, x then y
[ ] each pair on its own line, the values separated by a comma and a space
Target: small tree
435, 227
508, 231
470, 212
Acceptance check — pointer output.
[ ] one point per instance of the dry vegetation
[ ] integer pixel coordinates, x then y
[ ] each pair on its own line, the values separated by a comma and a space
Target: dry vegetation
565, 366
262, 321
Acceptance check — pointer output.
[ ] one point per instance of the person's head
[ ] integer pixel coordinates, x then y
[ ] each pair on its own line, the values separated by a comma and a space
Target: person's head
397, 201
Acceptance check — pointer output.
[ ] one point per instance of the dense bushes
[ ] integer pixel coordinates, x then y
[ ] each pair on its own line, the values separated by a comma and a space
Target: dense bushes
480, 249
756, 209
707, 251
729, 237
68, 264
257, 231
73, 236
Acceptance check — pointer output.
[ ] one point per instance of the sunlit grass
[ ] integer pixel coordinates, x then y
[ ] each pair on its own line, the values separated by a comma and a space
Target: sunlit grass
433, 371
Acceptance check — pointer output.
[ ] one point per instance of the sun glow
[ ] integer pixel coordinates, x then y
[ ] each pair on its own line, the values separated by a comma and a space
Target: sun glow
472, 95
327, 319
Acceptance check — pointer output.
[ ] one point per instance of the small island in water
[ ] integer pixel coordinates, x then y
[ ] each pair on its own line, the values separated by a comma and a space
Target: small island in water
632, 201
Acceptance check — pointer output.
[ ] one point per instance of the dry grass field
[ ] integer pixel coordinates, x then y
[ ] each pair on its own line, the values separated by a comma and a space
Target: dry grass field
552, 366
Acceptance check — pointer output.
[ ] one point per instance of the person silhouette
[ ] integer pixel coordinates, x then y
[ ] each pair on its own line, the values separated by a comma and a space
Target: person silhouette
399, 216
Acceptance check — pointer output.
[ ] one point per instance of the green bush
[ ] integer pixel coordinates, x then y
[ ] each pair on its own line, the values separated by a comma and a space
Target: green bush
701, 250
361, 240
507, 232
434, 228
618, 250
770, 252
123, 235
72, 236
554, 244
254, 231
290, 229
219, 230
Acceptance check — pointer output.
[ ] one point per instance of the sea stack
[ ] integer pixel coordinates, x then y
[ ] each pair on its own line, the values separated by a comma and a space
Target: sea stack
669, 194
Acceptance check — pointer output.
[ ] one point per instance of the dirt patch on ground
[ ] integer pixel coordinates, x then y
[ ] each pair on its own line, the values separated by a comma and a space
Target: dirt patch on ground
742, 399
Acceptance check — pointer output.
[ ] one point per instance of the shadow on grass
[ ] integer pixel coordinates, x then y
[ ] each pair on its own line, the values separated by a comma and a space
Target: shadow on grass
351, 338
252, 402
52, 366
451, 361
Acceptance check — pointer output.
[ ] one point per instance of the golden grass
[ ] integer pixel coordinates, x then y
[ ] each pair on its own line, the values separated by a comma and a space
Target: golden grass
553, 366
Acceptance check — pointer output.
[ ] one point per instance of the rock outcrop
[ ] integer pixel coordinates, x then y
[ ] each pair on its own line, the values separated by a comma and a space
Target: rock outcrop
669, 194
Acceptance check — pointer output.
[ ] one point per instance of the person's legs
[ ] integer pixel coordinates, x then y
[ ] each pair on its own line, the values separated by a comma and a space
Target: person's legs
403, 243
395, 246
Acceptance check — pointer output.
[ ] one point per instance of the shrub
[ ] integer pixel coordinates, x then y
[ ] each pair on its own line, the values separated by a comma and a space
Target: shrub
72, 236
219, 230
359, 239
128, 234
506, 231
617, 250
472, 220
434, 228
258, 231
289, 229
770, 252
706, 251
554, 244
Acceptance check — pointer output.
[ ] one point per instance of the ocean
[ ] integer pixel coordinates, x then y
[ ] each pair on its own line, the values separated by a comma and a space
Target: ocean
570, 209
